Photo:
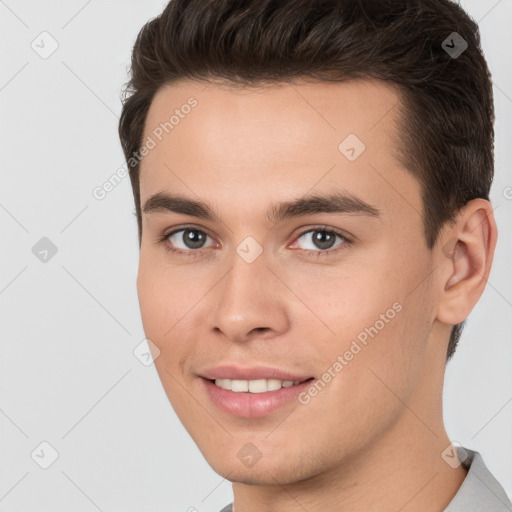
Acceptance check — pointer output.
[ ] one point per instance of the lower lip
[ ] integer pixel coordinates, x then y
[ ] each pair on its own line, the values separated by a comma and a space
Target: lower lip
252, 405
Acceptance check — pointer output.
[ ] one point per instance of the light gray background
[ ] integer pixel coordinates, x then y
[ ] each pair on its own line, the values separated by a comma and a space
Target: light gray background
69, 326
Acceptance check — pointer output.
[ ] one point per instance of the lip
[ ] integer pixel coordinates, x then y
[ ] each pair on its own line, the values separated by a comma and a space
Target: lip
230, 371
252, 405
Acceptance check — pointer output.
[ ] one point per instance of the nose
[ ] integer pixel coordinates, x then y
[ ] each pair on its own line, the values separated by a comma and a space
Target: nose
249, 302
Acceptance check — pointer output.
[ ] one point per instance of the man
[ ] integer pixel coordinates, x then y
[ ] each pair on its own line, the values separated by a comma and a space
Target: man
311, 181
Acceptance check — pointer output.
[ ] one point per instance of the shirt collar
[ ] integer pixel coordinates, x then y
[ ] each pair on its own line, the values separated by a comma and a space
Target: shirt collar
479, 490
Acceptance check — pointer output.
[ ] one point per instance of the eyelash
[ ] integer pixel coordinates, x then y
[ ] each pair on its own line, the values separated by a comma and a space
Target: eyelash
309, 252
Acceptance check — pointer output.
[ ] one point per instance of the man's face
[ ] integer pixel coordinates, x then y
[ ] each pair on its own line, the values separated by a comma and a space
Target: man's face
344, 293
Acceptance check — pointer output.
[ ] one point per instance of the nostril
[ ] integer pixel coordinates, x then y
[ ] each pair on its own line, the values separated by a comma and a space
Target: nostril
259, 329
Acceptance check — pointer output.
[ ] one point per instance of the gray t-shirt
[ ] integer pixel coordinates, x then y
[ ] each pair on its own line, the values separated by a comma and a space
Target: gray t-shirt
480, 491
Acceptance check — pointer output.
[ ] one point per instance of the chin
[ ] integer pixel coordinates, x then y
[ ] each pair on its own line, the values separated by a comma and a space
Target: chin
253, 476
266, 471
248, 477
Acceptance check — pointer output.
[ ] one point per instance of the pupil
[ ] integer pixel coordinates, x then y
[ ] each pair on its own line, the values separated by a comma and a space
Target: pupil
193, 238
323, 239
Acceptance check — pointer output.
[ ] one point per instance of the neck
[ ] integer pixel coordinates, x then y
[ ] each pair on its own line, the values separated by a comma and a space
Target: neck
400, 469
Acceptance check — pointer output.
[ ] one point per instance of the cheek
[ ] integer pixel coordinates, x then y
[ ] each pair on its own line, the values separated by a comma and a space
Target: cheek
163, 309
154, 304
170, 299
165, 296
370, 330
342, 303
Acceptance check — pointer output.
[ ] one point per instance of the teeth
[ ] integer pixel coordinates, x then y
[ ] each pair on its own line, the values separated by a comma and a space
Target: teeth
223, 383
273, 384
239, 385
255, 386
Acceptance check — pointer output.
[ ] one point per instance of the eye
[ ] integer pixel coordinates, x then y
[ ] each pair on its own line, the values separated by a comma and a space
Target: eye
321, 240
190, 241
185, 240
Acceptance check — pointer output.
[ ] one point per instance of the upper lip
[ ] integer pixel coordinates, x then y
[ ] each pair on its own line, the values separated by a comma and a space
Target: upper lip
234, 372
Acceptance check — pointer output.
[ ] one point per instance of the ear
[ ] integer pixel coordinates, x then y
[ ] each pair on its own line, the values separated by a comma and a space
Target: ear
466, 250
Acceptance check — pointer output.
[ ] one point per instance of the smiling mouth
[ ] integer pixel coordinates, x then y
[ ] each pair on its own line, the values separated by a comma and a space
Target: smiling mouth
255, 386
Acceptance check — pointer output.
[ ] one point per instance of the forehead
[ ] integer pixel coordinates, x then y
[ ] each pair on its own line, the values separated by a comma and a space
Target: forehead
275, 142
308, 111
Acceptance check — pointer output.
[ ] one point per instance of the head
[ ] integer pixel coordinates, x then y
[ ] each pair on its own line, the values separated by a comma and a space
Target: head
266, 121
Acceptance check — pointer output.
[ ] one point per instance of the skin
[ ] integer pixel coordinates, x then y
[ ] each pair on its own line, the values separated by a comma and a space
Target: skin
372, 438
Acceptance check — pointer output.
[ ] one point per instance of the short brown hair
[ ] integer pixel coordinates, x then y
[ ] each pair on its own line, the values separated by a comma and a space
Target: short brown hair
447, 113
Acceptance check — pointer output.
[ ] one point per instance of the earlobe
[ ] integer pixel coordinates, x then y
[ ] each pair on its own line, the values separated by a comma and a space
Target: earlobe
465, 260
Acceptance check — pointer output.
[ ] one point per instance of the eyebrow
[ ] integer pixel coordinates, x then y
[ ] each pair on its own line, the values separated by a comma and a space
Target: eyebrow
337, 202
